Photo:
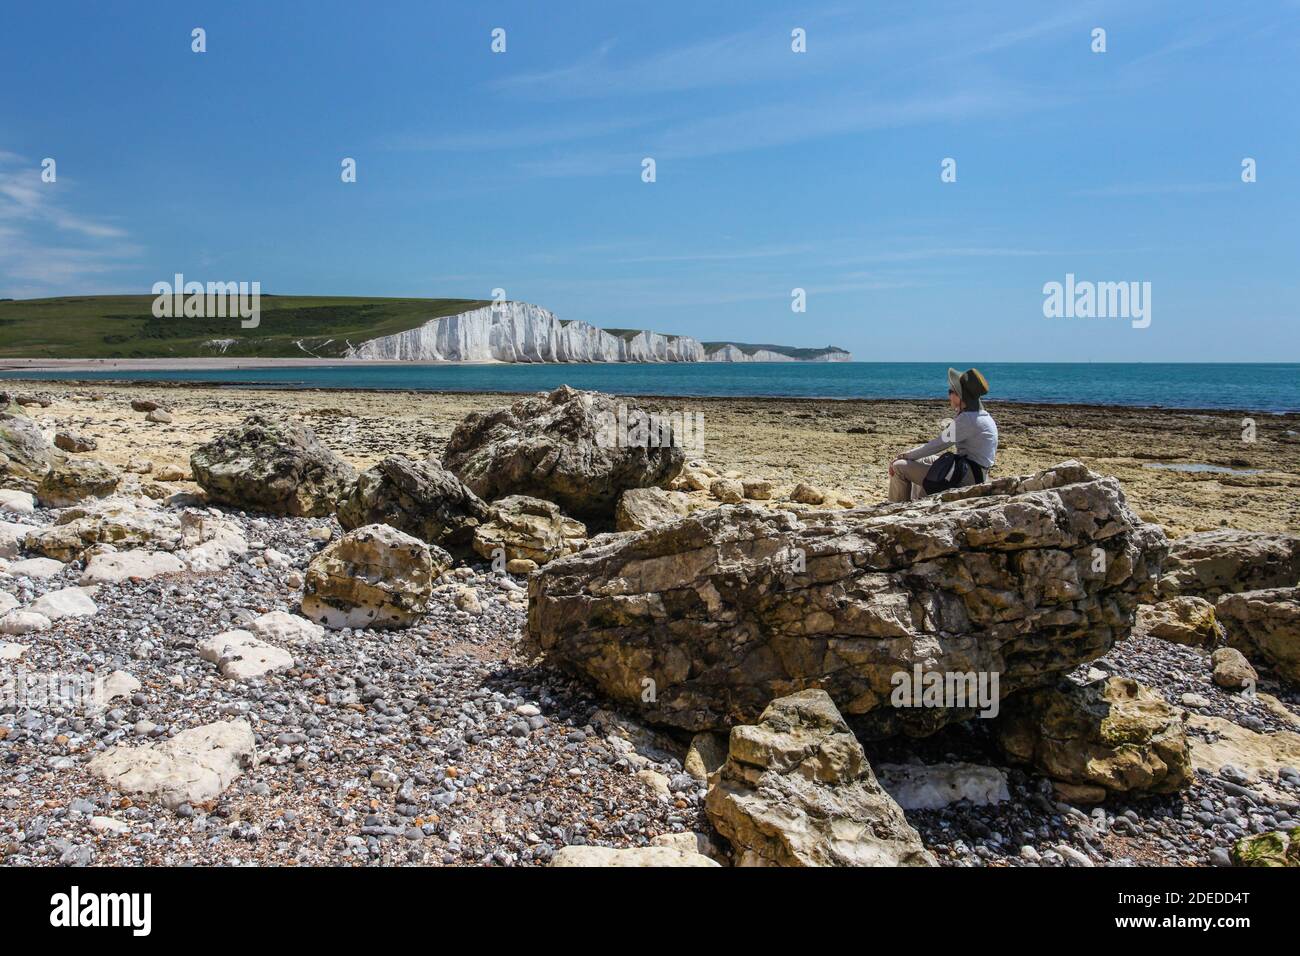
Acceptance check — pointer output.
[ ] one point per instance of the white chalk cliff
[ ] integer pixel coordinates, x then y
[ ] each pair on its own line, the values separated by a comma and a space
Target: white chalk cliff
520, 332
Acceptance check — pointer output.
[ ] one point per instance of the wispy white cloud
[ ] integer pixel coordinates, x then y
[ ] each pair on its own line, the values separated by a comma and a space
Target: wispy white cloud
45, 248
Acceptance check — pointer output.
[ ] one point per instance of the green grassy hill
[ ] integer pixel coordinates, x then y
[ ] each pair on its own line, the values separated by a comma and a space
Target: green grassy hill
123, 326
292, 326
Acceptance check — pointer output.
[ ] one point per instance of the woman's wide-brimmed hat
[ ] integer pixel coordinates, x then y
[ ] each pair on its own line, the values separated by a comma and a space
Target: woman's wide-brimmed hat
970, 384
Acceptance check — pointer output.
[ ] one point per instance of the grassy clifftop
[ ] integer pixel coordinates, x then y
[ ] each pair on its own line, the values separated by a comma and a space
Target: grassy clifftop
292, 326
123, 326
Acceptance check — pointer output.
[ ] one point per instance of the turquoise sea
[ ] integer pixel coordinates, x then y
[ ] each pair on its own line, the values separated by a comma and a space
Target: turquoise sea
1252, 387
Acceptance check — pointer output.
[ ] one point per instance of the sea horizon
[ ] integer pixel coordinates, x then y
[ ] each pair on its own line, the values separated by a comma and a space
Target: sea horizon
1265, 387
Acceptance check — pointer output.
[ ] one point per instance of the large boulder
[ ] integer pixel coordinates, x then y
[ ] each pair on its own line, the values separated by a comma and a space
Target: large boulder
796, 790
271, 465
421, 498
528, 529
76, 479
641, 508
1265, 626
25, 453
578, 449
374, 576
1212, 563
702, 622
1113, 733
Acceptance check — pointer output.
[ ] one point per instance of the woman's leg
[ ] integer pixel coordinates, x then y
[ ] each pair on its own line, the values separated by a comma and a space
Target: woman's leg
905, 483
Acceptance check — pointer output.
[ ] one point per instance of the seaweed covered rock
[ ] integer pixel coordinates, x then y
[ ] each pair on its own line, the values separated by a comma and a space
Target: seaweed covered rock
421, 498
271, 465
74, 480
578, 449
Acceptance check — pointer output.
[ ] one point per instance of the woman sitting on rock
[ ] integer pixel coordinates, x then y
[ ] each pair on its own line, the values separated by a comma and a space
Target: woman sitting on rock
973, 435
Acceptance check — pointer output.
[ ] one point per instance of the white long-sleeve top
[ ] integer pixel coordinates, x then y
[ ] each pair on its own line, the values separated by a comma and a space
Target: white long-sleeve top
974, 436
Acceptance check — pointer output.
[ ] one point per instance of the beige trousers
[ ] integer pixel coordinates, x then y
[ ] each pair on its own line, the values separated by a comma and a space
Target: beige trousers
905, 482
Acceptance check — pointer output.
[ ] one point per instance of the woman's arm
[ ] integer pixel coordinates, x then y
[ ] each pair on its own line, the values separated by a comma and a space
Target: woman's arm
929, 448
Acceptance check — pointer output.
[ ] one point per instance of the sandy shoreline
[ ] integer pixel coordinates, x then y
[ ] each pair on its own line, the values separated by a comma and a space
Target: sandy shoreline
843, 445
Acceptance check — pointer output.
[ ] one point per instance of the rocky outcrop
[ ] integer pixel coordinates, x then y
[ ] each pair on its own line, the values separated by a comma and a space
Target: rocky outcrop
1182, 620
76, 479
1265, 626
641, 508
421, 498
726, 610
195, 766
1115, 734
274, 466
374, 577
1213, 563
203, 541
796, 790
25, 454
580, 450
528, 529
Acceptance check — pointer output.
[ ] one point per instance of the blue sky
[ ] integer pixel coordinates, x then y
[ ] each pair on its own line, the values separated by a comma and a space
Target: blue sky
775, 170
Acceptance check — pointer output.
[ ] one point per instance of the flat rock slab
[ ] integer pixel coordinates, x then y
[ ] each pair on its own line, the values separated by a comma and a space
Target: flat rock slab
35, 568
137, 565
567, 856
1256, 755
935, 786
19, 502
10, 651
65, 602
195, 766
23, 622
114, 686
240, 655
281, 627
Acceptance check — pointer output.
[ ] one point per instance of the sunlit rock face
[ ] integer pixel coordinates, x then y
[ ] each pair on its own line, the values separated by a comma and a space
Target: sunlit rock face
733, 353
520, 332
